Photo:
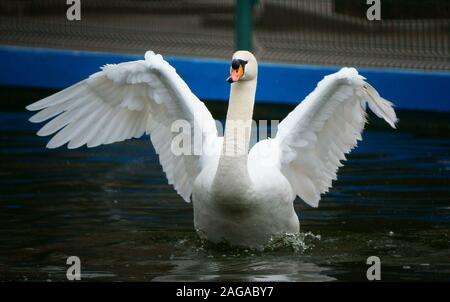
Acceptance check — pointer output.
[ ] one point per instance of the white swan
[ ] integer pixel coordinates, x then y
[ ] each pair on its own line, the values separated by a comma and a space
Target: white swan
244, 198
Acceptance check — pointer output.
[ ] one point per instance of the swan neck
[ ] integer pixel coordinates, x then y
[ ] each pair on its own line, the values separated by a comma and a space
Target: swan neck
233, 161
239, 119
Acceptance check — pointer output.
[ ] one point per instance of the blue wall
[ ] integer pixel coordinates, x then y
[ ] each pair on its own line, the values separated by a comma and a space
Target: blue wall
277, 83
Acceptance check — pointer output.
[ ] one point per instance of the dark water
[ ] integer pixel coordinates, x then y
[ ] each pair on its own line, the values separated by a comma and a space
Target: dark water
111, 206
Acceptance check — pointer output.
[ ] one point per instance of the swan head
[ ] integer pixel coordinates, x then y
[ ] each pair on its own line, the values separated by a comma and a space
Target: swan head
243, 67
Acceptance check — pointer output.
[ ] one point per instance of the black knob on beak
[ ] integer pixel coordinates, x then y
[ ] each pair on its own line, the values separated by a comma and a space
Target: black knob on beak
235, 64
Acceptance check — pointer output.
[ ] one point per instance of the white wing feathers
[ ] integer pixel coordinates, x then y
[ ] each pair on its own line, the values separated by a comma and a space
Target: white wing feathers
314, 138
125, 101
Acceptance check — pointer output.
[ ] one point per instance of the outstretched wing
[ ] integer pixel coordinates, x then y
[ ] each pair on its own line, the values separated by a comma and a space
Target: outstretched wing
313, 139
124, 101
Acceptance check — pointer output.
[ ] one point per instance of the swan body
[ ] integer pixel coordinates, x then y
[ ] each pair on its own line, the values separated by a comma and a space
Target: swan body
244, 214
240, 195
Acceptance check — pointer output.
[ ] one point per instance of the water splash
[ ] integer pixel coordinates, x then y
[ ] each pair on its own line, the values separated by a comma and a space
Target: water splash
297, 242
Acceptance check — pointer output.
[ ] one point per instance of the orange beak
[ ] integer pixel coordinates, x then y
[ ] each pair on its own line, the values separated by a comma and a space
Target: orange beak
235, 74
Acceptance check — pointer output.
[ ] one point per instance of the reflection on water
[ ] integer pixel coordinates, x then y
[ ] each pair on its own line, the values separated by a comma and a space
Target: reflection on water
111, 206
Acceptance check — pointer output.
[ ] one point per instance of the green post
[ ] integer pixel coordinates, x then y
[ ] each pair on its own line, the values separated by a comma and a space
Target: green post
243, 20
